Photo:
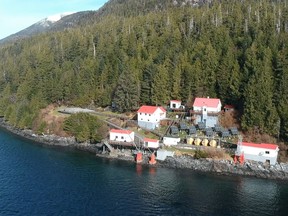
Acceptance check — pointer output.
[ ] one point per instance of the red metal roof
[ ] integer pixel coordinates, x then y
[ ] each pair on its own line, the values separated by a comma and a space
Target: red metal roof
175, 101
150, 140
261, 145
150, 109
120, 131
228, 106
208, 102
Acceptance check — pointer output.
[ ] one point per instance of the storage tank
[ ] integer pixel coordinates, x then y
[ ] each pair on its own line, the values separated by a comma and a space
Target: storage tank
197, 141
139, 157
190, 140
213, 143
205, 142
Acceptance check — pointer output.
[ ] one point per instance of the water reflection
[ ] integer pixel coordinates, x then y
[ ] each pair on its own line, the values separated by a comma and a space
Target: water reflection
257, 196
34, 178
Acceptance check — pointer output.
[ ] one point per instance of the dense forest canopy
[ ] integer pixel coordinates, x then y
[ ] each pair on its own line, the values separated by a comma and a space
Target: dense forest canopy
147, 52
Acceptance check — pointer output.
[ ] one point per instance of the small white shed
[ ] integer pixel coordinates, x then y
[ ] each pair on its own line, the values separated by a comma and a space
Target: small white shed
168, 141
175, 104
163, 154
151, 143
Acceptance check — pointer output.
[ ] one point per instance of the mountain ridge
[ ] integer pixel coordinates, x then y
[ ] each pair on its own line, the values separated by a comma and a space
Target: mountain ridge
70, 20
51, 23
135, 52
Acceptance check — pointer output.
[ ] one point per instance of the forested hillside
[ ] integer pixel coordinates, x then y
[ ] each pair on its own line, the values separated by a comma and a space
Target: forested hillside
147, 52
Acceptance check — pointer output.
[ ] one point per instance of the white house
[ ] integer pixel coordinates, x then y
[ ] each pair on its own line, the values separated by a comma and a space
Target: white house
151, 143
175, 104
117, 135
206, 110
168, 141
149, 117
258, 152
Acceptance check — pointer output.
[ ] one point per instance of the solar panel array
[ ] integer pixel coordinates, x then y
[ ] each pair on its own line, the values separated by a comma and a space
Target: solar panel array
225, 133
174, 130
192, 129
218, 128
234, 131
183, 126
208, 132
201, 125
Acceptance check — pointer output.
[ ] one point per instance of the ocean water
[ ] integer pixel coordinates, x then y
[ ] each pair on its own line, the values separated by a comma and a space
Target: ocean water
41, 180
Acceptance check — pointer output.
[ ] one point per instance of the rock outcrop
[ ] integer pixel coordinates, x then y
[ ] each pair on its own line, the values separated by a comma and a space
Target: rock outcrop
225, 167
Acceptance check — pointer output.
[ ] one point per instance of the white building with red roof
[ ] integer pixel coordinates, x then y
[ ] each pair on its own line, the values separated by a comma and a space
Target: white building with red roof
262, 152
117, 135
206, 110
149, 117
151, 143
175, 104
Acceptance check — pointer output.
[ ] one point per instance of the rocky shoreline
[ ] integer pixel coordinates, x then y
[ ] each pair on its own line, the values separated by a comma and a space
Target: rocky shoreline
219, 167
50, 140
225, 167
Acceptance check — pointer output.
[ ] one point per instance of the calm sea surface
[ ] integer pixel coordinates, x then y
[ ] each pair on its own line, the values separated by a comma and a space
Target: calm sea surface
38, 180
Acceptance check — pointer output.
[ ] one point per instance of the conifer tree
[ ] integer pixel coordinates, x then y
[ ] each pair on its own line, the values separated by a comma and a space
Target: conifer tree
259, 110
146, 83
127, 93
160, 86
176, 82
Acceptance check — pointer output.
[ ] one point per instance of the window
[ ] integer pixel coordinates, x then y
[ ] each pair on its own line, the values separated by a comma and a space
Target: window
116, 137
149, 114
267, 152
145, 113
140, 113
122, 137
141, 119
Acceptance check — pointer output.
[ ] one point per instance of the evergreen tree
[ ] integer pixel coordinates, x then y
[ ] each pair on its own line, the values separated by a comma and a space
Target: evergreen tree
127, 93
259, 110
176, 82
160, 86
138, 53
228, 78
84, 127
146, 83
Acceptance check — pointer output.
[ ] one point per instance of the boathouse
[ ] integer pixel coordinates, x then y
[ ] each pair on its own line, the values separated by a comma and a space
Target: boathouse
258, 152
117, 135
206, 110
149, 117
